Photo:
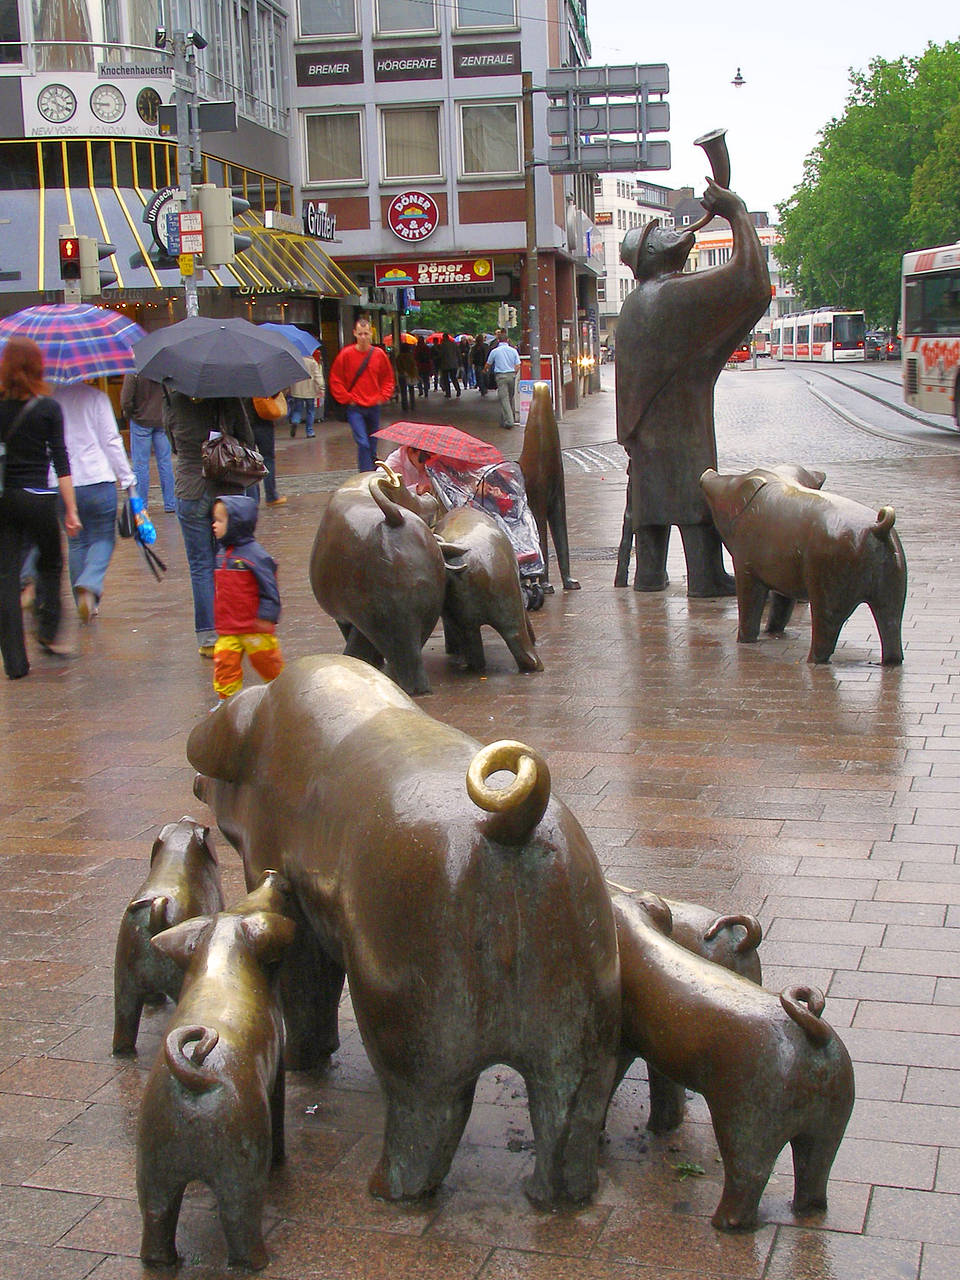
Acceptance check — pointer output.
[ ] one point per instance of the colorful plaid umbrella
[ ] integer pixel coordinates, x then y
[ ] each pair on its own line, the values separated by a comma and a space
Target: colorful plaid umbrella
78, 341
443, 441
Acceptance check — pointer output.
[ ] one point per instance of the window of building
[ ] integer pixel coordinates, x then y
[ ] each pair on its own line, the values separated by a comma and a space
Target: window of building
397, 17
470, 15
328, 18
601, 290
489, 139
333, 147
10, 49
597, 187
410, 143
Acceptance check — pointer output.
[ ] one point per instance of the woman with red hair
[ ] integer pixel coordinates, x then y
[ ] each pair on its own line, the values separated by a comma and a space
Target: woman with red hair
31, 428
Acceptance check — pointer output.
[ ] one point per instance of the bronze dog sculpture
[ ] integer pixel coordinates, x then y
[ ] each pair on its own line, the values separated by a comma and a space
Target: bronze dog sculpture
486, 593
542, 465
473, 922
770, 1069
184, 881
727, 940
805, 544
379, 572
212, 1109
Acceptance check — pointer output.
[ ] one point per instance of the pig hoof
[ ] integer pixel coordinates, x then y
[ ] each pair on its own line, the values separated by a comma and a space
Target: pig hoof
734, 1222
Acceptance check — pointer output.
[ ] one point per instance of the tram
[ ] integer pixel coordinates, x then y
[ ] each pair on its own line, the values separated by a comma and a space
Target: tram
931, 329
826, 336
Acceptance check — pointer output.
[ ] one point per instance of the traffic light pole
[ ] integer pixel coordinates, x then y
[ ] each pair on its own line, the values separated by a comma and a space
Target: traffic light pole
533, 263
185, 81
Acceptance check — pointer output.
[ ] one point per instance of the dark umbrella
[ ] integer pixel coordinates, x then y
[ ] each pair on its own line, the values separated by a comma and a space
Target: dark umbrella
205, 357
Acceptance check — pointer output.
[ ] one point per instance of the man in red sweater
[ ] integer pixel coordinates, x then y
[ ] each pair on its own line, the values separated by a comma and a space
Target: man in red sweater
361, 378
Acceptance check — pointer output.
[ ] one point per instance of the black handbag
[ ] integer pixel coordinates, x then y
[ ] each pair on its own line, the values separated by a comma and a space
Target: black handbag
226, 461
11, 432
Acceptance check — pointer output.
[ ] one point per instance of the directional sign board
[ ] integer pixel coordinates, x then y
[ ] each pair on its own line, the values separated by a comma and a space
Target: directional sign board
599, 118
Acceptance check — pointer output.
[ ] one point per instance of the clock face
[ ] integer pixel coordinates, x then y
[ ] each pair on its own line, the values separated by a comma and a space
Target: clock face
148, 105
56, 103
107, 103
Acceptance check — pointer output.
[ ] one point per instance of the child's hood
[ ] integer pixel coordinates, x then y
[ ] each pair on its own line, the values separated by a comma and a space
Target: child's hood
241, 518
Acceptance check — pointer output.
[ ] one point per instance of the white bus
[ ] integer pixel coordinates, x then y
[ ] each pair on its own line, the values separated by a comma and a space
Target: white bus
825, 336
931, 329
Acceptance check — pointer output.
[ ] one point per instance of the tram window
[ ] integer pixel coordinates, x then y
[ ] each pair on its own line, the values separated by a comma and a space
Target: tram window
803, 333
848, 331
821, 333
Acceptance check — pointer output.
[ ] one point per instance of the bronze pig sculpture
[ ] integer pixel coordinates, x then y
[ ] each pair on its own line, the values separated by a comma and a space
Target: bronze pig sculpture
486, 593
472, 921
212, 1109
804, 544
379, 572
727, 940
184, 881
541, 462
770, 1069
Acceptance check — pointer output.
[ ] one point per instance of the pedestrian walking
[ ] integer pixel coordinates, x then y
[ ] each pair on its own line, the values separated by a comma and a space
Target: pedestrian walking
449, 364
478, 355
361, 379
424, 367
503, 361
31, 429
264, 433
141, 401
407, 374
303, 396
98, 461
246, 597
466, 366
190, 422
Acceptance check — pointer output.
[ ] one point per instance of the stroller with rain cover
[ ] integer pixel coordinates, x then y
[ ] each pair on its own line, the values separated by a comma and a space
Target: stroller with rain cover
497, 489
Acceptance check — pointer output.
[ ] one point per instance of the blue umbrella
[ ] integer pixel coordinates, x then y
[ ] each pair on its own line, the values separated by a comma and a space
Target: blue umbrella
298, 338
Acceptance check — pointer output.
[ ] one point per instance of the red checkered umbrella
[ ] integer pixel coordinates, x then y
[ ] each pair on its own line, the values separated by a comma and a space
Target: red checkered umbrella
443, 441
78, 341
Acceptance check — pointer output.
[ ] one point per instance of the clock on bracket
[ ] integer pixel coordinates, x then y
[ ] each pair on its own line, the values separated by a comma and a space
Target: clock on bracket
56, 103
107, 103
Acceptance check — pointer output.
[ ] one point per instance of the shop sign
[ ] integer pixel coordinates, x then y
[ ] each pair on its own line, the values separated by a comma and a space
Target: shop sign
412, 216
497, 59
318, 221
344, 67
155, 214
418, 63
603, 219
453, 271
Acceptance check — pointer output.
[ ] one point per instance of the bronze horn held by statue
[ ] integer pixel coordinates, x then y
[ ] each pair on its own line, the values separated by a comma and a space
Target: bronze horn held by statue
714, 144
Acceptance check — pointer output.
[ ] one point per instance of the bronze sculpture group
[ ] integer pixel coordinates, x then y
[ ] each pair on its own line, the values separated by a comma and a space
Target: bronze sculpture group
446, 883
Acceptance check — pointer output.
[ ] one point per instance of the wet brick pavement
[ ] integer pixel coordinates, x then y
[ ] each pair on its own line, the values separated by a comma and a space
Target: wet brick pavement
826, 800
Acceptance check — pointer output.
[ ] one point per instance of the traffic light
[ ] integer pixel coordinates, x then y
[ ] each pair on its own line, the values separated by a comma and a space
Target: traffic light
94, 278
69, 257
511, 317
221, 241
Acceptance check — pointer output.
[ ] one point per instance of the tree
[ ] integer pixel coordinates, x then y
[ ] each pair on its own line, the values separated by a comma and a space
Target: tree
935, 195
456, 317
848, 224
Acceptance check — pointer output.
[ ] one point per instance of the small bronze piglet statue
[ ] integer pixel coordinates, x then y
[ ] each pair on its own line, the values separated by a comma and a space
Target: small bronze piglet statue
770, 1069
184, 881
212, 1109
727, 940
806, 544
486, 593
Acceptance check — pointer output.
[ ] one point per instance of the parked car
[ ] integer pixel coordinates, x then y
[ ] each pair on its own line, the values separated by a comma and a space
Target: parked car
893, 347
875, 346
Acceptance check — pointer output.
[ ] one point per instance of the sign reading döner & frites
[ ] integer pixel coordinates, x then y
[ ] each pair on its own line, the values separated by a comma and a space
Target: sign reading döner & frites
426, 271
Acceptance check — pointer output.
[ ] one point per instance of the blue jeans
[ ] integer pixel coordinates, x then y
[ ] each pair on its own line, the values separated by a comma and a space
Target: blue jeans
301, 411
88, 554
263, 434
364, 421
142, 439
200, 545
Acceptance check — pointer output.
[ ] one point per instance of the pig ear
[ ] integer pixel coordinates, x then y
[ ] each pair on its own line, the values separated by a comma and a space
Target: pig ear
747, 490
180, 942
658, 911
268, 933
215, 744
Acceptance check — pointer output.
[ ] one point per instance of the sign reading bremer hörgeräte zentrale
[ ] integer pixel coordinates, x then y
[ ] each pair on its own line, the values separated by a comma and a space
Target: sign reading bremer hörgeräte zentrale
329, 67
487, 59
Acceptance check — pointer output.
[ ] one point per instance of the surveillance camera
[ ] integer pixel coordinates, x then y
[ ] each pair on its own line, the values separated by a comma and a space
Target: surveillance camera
196, 39
160, 38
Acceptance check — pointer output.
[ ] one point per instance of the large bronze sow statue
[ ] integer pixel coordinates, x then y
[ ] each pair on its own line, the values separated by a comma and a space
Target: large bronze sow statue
379, 572
472, 920
771, 1071
806, 544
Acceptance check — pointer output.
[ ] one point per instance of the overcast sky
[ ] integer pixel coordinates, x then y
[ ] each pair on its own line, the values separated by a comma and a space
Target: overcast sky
796, 71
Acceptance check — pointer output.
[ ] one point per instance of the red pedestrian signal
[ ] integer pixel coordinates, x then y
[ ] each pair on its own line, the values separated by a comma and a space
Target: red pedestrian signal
70, 257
